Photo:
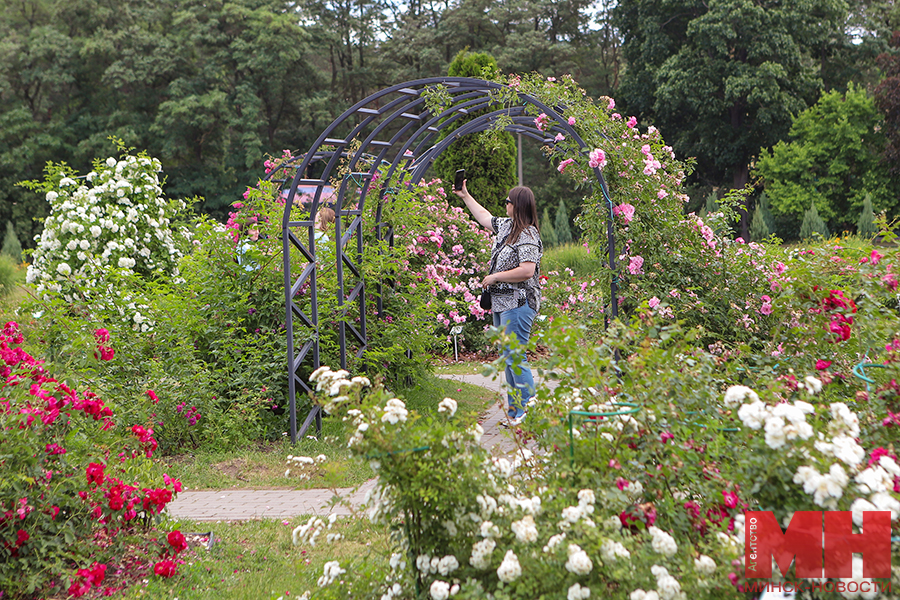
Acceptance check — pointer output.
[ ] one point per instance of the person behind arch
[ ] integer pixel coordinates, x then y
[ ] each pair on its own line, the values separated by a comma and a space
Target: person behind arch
514, 281
323, 221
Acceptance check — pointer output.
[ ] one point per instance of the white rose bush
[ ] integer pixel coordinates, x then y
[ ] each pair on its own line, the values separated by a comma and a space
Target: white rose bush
113, 218
632, 476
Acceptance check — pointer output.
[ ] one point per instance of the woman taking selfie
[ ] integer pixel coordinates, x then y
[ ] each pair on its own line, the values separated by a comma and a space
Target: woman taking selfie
513, 281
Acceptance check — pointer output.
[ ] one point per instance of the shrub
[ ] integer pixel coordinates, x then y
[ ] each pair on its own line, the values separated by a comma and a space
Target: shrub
9, 274
759, 230
583, 511
489, 161
117, 219
813, 224
72, 468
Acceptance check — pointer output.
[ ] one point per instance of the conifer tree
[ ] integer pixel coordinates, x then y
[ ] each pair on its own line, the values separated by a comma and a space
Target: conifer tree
563, 232
759, 230
11, 245
813, 223
765, 204
865, 227
548, 232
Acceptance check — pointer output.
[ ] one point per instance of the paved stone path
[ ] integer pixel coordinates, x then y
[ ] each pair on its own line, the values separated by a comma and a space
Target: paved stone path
246, 504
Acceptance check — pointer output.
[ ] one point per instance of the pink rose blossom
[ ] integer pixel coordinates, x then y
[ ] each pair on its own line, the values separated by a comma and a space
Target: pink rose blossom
559, 137
562, 166
632, 121
611, 105
571, 120
597, 158
626, 210
635, 265
654, 302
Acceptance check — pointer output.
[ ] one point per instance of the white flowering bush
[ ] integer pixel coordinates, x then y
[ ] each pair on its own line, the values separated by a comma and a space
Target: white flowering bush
115, 217
636, 476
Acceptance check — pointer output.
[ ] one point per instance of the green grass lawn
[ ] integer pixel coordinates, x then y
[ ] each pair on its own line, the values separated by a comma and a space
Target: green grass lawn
252, 560
266, 466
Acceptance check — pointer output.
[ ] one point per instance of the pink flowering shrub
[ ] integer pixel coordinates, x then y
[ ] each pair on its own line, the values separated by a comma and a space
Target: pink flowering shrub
71, 467
448, 256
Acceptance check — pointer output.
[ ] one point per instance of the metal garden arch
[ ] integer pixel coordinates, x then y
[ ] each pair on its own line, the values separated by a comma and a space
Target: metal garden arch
390, 131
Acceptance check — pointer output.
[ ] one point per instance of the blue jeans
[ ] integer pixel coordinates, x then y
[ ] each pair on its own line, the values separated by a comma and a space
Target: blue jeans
517, 322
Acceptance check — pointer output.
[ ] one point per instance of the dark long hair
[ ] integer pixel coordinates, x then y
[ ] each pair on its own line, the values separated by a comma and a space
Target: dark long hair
524, 212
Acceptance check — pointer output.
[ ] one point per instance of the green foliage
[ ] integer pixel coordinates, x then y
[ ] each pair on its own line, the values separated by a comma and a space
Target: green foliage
766, 206
865, 226
813, 224
489, 160
711, 205
833, 159
548, 233
759, 228
11, 246
563, 232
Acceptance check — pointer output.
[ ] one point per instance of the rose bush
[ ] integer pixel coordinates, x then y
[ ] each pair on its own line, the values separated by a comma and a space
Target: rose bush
72, 468
635, 476
116, 218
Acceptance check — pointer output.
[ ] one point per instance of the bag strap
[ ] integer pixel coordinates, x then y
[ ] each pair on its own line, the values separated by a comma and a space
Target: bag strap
497, 255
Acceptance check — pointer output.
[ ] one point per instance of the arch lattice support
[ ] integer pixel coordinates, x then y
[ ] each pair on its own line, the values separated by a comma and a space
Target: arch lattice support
390, 132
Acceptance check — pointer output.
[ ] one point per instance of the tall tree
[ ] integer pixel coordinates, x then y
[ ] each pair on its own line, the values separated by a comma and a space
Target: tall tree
722, 79
833, 159
887, 99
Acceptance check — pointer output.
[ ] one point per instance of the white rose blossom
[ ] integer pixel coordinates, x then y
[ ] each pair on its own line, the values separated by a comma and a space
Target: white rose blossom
579, 562
510, 569
448, 405
525, 529
577, 592
705, 565
736, 394
440, 590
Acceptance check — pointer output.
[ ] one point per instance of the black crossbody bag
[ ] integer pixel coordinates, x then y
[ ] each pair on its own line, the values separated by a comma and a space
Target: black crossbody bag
485, 302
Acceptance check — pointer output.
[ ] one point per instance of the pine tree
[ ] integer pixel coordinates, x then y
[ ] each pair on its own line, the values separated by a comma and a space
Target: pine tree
865, 227
490, 172
11, 245
548, 232
813, 223
563, 232
759, 230
764, 204
711, 206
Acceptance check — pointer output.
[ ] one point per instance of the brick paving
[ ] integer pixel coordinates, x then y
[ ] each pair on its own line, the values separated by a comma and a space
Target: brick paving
246, 504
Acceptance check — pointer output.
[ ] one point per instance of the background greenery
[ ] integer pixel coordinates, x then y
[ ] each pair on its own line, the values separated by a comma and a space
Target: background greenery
211, 87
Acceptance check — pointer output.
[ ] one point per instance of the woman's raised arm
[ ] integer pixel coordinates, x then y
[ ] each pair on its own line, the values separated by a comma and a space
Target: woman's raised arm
479, 212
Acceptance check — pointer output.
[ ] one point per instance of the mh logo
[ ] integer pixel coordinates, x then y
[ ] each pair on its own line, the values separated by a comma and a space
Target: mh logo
817, 551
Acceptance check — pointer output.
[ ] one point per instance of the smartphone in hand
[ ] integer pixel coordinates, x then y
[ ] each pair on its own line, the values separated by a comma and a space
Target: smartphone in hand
458, 181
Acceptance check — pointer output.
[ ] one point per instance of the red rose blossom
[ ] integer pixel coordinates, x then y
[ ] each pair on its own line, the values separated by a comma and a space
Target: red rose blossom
177, 541
165, 568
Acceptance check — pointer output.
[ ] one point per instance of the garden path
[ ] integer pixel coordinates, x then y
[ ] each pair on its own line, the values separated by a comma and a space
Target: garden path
246, 504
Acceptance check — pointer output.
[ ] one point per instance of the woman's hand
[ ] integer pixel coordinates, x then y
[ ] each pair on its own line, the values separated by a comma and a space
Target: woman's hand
521, 273
464, 192
480, 213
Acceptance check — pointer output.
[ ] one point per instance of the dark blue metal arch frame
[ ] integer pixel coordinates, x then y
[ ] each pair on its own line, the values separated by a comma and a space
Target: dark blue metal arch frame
400, 111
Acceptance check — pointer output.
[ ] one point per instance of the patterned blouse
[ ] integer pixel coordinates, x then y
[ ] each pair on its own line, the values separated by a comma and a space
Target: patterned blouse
528, 248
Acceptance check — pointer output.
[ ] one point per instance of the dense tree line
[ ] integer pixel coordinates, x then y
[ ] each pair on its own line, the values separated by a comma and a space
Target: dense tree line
211, 87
